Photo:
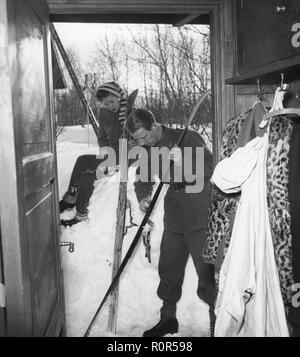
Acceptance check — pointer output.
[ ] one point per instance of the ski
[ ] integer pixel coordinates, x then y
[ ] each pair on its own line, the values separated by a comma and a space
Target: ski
120, 227
119, 233
56, 40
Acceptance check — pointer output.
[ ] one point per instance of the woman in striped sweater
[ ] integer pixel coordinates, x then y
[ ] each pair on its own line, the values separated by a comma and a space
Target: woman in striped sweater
111, 122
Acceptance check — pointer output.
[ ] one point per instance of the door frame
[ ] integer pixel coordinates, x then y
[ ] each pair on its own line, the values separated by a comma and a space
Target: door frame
10, 213
222, 41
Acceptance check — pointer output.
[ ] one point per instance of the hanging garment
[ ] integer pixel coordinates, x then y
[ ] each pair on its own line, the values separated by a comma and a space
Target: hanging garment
222, 205
238, 131
294, 197
249, 301
281, 128
250, 128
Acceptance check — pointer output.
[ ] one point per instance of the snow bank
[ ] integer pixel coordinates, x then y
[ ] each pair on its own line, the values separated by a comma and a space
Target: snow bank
78, 134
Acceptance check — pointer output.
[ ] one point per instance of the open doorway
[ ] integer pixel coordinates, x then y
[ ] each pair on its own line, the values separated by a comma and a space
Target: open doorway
171, 67
30, 185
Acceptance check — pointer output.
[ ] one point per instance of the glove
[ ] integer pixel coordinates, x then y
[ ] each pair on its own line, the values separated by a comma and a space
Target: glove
106, 171
146, 239
132, 143
144, 204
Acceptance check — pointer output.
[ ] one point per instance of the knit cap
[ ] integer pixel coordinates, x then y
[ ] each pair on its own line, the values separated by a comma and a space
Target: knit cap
115, 89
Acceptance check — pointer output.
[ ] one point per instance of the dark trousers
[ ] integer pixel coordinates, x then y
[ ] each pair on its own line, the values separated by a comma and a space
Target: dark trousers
85, 190
180, 239
84, 163
174, 252
82, 180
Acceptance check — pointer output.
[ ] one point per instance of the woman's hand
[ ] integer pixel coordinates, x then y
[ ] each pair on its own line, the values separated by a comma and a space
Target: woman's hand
132, 143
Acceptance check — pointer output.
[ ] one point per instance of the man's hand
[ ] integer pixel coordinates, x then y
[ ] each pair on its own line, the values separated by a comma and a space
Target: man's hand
144, 204
100, 172
176, 156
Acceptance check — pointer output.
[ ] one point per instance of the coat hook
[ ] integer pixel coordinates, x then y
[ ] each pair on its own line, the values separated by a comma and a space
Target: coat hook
258, 85
259, 90
282, 80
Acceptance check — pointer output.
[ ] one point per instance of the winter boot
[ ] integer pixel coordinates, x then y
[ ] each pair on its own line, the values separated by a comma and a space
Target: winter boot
80, 217
63, 205
68, 201
163, 328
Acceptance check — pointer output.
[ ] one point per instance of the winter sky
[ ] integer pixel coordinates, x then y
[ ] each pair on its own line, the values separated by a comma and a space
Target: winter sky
84, 37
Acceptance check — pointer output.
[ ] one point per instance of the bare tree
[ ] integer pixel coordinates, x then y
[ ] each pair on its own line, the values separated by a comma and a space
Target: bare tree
170, 66
182, 66
68, 108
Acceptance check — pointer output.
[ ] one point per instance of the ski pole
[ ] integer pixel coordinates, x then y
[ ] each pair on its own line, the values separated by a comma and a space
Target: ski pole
143, 224
74, 78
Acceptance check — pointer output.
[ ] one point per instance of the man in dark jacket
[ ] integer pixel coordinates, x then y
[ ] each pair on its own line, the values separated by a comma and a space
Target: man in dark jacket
111, 121
184, 218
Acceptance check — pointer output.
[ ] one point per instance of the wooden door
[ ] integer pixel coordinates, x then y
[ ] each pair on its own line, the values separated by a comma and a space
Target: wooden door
29, 212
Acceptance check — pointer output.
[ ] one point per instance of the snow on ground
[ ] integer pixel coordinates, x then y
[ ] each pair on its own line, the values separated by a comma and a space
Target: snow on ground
87, 271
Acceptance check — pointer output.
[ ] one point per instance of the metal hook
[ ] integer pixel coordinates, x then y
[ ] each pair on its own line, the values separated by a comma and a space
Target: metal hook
282, 80
259, 90
258, 85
